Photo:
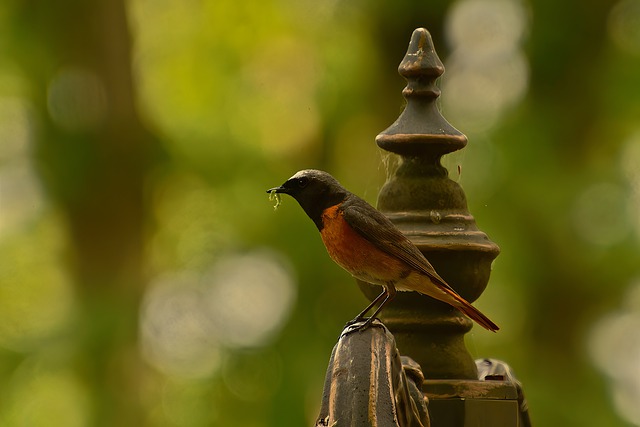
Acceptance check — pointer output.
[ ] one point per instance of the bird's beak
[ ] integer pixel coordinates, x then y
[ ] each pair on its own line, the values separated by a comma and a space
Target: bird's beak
277, 190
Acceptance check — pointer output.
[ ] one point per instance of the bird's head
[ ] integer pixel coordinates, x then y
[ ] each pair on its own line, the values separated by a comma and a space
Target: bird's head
314, 190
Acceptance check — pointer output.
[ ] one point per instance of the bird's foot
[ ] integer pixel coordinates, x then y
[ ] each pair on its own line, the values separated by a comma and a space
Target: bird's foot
355, 320
359, 324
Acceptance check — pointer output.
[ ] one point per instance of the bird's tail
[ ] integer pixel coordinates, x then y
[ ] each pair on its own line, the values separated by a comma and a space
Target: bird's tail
437, 288
473, 313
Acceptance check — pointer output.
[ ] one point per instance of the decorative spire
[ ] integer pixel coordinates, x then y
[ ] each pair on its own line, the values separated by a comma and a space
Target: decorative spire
421, 129
431, 210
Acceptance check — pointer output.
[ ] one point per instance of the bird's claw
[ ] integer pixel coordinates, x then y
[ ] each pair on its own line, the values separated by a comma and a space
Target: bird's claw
354, 321
359, 324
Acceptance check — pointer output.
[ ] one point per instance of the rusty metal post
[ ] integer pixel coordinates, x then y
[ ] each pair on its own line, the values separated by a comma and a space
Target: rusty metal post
368, 383
431, 210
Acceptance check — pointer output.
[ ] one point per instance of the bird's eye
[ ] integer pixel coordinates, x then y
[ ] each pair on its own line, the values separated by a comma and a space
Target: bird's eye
302, 182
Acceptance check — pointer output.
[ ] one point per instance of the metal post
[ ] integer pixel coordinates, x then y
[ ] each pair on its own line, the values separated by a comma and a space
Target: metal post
431, 210
368, 383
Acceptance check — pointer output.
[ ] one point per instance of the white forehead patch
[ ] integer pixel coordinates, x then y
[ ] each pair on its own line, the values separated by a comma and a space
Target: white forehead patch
299, 174
305, 172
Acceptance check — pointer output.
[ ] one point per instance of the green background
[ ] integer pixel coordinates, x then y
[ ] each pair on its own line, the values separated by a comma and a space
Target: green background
146, 279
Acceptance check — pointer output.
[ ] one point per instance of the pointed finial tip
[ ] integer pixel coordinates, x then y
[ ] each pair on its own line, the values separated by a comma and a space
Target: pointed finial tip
421, 57
420, 36
421, 129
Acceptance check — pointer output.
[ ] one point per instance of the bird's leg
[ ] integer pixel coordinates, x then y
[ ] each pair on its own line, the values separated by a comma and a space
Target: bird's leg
391, 294
388, 294
360, 316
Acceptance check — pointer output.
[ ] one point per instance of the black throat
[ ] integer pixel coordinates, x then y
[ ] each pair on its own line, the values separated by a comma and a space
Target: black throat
314, 207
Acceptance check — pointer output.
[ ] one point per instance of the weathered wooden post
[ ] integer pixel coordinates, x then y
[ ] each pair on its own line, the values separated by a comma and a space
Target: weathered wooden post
431, 210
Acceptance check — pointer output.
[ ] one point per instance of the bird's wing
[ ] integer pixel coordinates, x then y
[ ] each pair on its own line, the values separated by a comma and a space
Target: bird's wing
380, 231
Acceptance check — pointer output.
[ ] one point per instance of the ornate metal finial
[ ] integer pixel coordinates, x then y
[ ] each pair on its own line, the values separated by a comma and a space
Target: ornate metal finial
421, 129
431, 210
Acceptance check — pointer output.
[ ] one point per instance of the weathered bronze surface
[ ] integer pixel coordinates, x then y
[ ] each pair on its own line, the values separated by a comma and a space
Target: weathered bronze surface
431, 210
369, 384
366, 383
492, 370
495, 399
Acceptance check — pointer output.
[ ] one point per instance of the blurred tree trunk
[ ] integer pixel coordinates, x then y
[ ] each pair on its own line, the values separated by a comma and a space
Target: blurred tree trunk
93, 154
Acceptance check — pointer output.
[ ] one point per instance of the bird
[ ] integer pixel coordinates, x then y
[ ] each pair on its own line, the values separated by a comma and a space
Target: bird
364, 242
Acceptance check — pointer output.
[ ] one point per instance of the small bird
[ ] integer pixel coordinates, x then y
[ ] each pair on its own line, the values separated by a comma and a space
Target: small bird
368, 245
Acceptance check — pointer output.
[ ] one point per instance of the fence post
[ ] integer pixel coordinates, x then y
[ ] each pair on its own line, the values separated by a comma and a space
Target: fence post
431, 210
373, 378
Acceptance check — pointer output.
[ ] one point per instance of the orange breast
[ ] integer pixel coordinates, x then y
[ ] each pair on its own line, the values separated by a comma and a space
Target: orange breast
356, 254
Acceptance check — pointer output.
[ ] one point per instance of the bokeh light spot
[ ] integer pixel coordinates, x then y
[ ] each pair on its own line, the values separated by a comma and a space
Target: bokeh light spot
176, 335
600, 214
249, 297
624, 25
615, 348
15, 128
487, 72
278, 81
486, 27
190, 231
43, 397
36, 293
189, 319
479, 92
21, 197
630, 165
77, 99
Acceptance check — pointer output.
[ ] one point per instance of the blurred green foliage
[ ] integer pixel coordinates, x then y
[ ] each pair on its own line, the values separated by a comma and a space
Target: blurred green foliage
146, 279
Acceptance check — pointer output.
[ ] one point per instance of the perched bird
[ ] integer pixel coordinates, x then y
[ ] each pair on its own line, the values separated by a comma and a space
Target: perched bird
368, 245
